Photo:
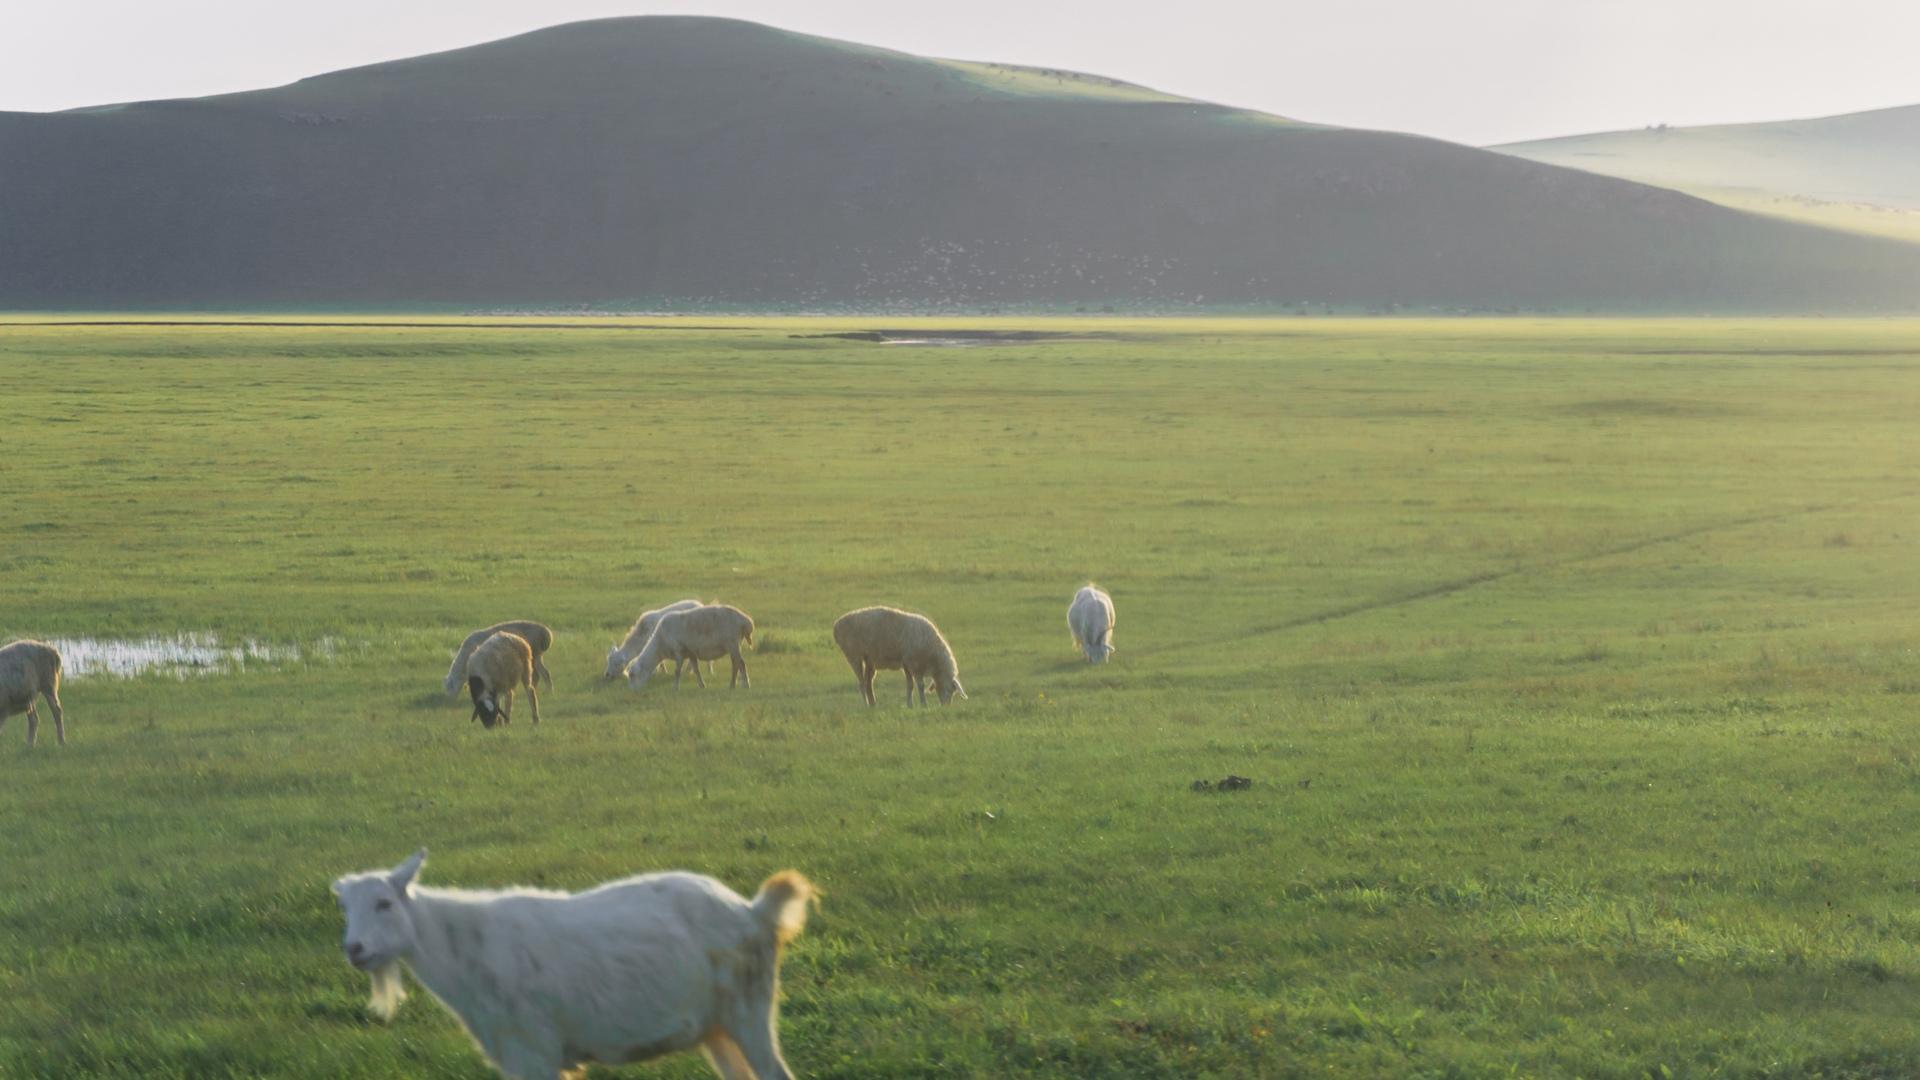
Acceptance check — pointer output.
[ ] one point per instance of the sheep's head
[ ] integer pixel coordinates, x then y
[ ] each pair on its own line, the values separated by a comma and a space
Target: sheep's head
616, 662
379, 915
638, 674
486, 708
1106, 651
950, 688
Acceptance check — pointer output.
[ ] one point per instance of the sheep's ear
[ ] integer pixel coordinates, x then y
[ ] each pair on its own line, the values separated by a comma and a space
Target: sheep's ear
403, 874
336, 886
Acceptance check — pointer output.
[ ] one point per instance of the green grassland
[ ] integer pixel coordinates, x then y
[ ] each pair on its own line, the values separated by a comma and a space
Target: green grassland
1573, 663
1867, 219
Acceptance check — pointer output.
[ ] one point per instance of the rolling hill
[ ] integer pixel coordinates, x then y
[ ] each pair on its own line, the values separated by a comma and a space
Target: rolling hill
690, 163
1859, 171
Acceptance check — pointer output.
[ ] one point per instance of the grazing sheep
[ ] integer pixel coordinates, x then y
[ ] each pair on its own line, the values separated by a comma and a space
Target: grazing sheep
708, 632
1090, 617
878, 638
620, 655
30, 669
536, 634
502, 663
546, 982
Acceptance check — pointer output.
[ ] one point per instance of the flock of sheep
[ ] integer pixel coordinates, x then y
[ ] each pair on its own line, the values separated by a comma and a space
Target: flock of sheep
549, 982
495, 662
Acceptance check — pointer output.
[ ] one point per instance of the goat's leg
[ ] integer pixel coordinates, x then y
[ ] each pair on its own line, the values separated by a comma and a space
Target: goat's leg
757, 1034
724, 1055
521, 1060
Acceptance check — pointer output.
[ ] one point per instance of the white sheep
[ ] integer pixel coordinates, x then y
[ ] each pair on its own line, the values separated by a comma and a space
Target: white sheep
708, 632
502, 663
546, 982
877, 638
30, 669
1090, 617
537, 636
620, 655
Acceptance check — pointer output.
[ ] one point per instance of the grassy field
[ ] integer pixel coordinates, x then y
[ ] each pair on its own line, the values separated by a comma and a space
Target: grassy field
1863, 218
1573, 664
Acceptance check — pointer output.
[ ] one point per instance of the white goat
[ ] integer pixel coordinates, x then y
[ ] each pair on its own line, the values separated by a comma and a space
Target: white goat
30, 669
546, 982
537, 635
883, 638
622, 654
708, 632
1090, 617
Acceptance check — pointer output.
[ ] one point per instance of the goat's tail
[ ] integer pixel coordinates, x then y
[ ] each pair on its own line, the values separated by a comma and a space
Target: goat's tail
782, 904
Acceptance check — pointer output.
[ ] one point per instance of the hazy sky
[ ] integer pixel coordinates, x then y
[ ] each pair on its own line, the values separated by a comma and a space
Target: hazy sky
1475, 71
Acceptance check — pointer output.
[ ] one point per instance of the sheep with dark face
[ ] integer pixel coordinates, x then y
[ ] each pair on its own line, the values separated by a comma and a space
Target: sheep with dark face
30, 669
502, 663
882, 638
537, 635
546, 982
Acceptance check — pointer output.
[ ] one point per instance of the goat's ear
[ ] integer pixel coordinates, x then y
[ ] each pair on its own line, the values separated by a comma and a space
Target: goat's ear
403, 874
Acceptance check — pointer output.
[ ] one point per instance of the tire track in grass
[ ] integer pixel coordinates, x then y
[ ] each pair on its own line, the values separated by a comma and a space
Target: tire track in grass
1488, 577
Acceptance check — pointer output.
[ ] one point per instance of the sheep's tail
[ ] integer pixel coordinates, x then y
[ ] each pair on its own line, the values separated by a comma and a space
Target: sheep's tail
388, 992
782, 903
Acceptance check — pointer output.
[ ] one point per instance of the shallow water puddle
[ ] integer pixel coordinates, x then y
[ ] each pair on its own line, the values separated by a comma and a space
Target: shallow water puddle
180, 655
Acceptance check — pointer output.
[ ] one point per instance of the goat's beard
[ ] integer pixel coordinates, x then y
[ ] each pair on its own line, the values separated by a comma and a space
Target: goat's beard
388, 991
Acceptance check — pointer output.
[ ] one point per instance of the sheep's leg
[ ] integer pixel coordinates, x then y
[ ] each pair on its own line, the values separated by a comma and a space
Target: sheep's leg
533, 702
59, 716
724, 1055
33, 725
540, 672
867, 673
859, 678
911, 683
694, 663
739, 667
677, 662
506, 706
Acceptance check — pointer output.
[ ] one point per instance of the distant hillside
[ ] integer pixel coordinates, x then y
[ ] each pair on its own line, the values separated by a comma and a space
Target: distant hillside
1859, 171
690, 163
